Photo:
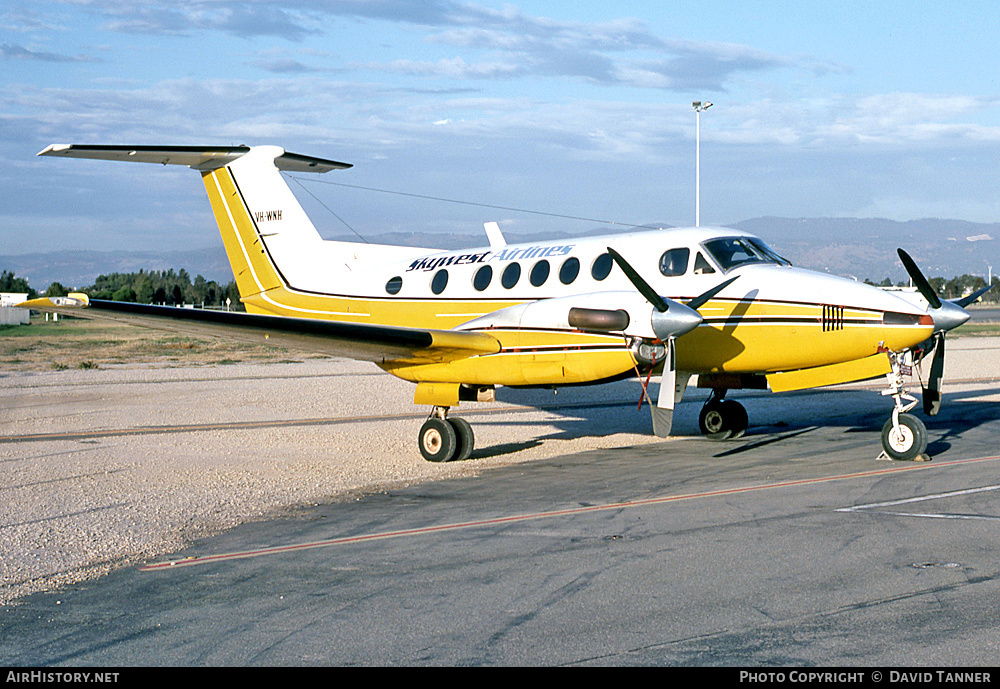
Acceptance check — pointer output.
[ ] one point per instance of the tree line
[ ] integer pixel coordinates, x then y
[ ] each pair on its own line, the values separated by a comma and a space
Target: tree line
955, 288
170, 287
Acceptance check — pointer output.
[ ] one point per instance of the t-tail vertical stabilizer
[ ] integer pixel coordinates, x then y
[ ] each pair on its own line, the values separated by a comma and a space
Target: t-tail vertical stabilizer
269, 239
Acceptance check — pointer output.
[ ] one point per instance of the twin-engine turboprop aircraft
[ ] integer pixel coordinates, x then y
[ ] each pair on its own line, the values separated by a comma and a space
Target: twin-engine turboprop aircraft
711, 302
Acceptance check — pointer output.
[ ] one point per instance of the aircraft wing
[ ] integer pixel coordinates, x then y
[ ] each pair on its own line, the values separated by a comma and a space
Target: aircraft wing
376, 343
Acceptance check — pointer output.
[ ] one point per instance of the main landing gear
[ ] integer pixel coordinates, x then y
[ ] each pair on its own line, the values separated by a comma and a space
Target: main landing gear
722, 419
443, 439
904, 436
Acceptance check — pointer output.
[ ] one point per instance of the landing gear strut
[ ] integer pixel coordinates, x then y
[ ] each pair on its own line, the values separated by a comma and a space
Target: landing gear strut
722, 419
443, 439
904, 436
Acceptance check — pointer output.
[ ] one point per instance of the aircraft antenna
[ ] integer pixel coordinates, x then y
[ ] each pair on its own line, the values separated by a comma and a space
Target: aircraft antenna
479, 205
299, 182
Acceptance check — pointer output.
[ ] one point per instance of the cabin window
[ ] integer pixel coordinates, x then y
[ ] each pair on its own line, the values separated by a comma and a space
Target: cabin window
511, 274
482, 278
439, 282
674, 262
702, 266
394, 285
569, 270
602, 266
539, 273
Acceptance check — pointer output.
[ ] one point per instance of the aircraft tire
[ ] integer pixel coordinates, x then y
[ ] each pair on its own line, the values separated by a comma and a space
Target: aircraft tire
736, 418
908, 442
465, 437
437, 440
714, 420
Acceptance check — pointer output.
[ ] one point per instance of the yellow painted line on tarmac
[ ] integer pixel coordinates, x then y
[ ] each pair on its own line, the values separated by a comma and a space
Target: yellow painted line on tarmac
497, 521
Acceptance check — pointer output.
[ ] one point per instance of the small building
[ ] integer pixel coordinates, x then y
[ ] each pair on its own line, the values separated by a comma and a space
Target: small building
10, 315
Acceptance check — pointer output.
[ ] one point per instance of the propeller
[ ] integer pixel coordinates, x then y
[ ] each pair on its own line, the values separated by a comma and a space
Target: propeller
965, 301
670, 320
932, 393
919, 281
946, 315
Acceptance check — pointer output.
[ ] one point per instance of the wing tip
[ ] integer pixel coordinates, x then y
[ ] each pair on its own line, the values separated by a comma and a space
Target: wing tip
75, 300
54, 149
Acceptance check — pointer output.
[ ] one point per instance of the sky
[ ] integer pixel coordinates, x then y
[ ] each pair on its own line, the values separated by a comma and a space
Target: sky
848, 109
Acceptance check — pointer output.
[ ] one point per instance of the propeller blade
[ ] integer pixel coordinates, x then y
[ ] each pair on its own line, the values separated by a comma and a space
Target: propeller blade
932, 393
663, 410
919, 281
965, 301
644, 287
703, 298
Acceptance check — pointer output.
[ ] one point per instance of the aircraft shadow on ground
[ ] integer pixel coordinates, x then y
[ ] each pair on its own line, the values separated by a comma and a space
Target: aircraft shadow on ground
958, 418
773, 418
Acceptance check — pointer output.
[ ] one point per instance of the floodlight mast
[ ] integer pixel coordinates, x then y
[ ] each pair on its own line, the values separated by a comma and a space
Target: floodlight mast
699, 107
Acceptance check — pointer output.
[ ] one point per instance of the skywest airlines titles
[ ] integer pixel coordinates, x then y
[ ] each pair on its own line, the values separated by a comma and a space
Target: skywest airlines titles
431, 263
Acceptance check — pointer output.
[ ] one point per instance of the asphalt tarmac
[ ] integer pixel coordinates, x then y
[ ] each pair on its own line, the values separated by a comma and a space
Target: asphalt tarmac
793, 546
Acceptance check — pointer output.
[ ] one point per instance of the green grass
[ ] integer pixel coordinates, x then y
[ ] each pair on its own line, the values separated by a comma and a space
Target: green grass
87, 344
976, 330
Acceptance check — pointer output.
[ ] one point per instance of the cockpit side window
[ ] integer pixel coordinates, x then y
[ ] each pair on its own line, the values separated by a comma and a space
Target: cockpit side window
674, 262
702, 266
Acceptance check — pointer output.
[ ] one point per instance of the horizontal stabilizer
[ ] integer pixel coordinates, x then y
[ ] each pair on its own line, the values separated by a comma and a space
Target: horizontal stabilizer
196, 157
376, 343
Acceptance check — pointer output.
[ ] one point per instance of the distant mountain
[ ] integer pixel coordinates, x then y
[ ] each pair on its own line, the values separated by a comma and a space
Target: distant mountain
866, 247
862, 248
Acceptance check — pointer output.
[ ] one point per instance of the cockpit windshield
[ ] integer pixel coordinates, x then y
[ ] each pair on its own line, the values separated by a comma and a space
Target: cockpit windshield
730, 252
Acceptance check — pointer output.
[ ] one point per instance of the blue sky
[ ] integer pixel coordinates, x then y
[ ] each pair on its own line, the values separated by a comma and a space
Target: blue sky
848, 109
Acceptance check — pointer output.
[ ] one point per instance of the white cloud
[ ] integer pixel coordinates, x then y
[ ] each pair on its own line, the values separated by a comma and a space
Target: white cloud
455, 68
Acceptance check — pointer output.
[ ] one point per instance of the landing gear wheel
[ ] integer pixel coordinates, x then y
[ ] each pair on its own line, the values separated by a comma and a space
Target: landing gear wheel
737, 417
723, 419
907, 441
437, 440
466, 439
712, 421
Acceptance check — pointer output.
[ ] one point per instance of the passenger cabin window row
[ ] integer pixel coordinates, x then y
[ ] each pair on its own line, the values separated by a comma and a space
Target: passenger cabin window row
728, 252
539, 274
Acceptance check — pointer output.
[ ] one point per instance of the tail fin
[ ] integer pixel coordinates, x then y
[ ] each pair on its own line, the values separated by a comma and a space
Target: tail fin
250, 200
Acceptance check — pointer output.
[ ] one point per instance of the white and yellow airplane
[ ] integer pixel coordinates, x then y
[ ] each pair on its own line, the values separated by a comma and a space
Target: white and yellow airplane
712, 302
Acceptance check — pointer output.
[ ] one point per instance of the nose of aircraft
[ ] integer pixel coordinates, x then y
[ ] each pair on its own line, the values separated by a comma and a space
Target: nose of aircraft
948, 316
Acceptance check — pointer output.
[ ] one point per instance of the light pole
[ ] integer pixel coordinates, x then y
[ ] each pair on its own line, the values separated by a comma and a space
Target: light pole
698, 106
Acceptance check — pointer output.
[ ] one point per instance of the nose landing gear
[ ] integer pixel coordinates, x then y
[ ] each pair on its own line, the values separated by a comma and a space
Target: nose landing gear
904, 436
